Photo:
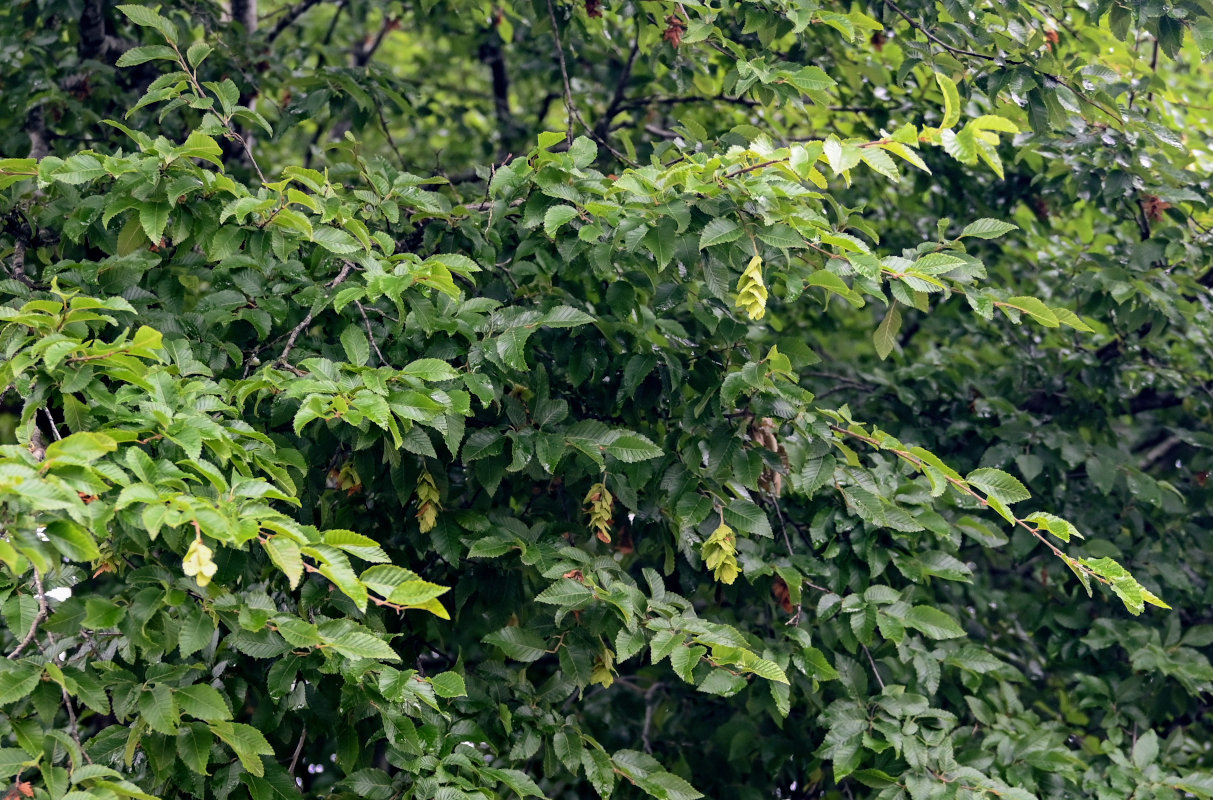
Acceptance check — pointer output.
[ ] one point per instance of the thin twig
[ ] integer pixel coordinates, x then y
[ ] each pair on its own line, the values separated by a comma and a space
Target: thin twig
18, 267
298, 750
73, 726
923, 30
43, 611
391, 140
364, 55
346, 269
621, 86
366, 322
647, 728
289, 19
54, 428
960, 51
872, 661
794, 620
570, 106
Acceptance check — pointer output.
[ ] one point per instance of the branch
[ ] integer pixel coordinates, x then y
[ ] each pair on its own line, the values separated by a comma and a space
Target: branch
363, 55
872, 661
571, 107
298, 329
367, 323
298, 750
43, 611
604, 123
960, 51
17, 269
493, 57
922, 29
289, 19
244, 12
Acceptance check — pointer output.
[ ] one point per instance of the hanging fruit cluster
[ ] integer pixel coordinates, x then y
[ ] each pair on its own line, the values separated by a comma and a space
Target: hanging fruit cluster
427, 502
751, 291
600, 507
720, 554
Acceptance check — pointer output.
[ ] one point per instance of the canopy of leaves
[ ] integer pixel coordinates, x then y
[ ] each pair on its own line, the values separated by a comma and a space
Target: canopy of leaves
473, 399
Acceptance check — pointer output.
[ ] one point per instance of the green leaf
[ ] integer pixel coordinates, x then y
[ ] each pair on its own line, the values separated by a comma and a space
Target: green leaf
934, 623
194, 741
632, 447
357, 347
141, 55
951, 100
430, 369
518, 782
158, 708
1067, 317
287, 556
987, 228
1034, 308
146, 17
335, 240
720, 230
79, 448
746, 516
886, 332
153, 216
811, 79
17, 679
999, 485
360, 644
101, 613
246, 742
557, 216
203, 702
1145, 750
565, 592
449, 684
518, 643
1057, 526
73, 541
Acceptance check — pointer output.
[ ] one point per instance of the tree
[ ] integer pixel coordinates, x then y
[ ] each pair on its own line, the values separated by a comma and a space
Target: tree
464, 399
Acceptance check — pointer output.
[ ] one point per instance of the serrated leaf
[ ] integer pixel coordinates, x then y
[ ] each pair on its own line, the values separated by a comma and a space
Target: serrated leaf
987, 228
518, 643
17, 679
951, 100
1067, 317
153, 216
1036, 309
720, 230
335, 240
449, 684
885, 335
430, 369
158, 708
746, 516
811, 79
203, 702
357, 347
999, 485
934, 623
555, 217
565, 592
361, 644
1062, 529
632, 447
246, 742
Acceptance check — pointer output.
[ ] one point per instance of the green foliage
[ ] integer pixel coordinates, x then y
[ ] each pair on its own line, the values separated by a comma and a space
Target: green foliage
470, 400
